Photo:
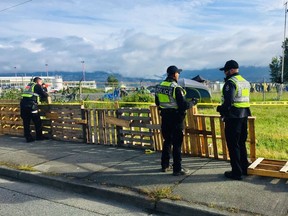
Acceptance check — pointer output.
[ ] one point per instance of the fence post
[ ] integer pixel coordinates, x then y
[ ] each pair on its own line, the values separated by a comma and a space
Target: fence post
156, 120
119, 135
223, 140
193, 126
251, 126
84, 126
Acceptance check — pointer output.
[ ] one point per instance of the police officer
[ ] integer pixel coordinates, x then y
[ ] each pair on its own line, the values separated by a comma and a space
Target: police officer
235, 110
170, 98
32, 95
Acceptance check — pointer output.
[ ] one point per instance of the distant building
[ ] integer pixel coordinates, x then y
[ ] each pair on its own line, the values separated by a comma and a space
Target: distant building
53, 82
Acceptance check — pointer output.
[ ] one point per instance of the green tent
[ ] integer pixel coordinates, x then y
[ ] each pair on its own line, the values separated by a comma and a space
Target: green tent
195, 89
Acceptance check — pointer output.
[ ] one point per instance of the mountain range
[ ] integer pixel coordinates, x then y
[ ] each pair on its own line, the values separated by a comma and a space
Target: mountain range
251, 73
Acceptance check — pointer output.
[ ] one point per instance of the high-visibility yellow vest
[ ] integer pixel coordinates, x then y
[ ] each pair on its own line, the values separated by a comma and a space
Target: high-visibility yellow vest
29, 92
166, 94
242, 94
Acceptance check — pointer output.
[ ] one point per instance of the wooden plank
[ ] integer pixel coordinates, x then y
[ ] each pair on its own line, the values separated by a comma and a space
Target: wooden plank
269, 167
284, 168
102, 136
205, 133
205, 140
223, 140
276, 162
96, 128
89, 126
139, 133
191, 139
65, 125
133, 110
67, 121
107, 128
153, 126
81, 122
60, 134
117, 121
155, 121
255, 163
136, 118
137, 124
136, 141
8, 122
268, 173
252, 136
214, 140
52, 116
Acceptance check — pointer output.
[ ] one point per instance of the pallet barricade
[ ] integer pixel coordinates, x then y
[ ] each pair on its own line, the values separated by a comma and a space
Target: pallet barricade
138, 127
122, 126
10, 120
138, 133
59, 122
66, 122
203, 135
98, 131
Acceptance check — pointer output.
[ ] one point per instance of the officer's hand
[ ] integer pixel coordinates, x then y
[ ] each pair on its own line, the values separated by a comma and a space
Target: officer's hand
194, 101
218, 109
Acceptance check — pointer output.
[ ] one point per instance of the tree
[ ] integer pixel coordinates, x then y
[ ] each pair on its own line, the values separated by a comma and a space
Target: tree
276, 66
275, 70
112, 81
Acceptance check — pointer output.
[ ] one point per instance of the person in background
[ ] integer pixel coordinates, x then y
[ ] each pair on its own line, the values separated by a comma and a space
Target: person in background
234, 111
31, 97
44, 100
170, 98
44, 86
123, 91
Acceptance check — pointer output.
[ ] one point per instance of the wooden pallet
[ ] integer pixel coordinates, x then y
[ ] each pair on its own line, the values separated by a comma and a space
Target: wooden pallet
271, 168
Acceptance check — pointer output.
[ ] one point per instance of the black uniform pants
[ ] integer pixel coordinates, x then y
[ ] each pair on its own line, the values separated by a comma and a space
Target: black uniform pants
27, 116
172, 132
236, 136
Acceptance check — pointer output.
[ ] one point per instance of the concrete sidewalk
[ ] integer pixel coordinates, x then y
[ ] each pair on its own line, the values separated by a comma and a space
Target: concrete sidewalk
130, 175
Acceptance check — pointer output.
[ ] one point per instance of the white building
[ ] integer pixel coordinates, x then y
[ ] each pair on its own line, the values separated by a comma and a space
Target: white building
53, 82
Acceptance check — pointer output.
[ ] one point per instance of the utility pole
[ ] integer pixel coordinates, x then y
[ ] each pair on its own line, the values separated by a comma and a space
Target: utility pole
83, 70
46, 66
283, 51
15, 71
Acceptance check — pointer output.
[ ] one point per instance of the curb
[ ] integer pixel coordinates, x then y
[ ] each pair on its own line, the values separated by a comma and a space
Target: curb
117, 194
181, 208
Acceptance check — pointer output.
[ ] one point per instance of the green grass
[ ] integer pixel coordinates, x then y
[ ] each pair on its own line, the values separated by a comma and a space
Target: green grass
271, 131
256, 96
271, 126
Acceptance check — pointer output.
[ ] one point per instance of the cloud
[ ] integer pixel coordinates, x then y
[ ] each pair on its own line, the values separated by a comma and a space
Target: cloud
32, 46
139, 38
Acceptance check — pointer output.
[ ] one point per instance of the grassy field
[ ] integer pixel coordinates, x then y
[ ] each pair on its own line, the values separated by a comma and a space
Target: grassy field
271, 125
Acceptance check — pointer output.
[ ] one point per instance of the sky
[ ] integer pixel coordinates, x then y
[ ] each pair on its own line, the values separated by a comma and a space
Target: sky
138, 38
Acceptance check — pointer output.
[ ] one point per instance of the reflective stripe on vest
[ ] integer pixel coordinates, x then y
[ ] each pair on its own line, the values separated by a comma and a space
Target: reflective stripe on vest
166, 94
241, 98
29, 92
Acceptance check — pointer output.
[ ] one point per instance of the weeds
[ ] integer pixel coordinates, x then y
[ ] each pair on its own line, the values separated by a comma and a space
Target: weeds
158, 193
26, 167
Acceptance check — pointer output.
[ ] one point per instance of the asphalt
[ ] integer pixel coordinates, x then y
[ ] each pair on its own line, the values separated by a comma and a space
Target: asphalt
131, 176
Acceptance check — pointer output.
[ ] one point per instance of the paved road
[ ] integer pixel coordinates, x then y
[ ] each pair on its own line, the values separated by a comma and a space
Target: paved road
21, 199
123, 174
